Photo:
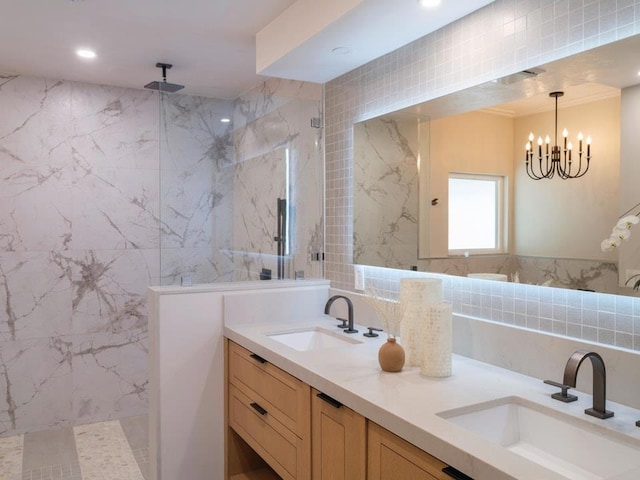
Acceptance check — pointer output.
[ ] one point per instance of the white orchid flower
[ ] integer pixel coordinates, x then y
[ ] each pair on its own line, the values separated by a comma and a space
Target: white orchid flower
610, 243
627, 222
621, 234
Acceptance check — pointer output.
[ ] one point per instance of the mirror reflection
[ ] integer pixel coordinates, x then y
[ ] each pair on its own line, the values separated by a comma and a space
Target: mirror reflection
443, 186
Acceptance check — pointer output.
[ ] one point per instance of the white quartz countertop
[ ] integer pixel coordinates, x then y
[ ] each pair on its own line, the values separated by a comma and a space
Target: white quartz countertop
407, 403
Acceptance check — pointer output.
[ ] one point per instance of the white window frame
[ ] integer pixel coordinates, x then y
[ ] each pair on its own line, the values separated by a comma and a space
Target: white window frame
500, 206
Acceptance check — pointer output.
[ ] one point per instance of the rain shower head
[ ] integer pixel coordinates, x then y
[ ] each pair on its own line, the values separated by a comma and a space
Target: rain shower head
164, 86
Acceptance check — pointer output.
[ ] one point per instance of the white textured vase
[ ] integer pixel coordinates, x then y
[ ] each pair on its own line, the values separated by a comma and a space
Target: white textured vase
416, 295
437, 341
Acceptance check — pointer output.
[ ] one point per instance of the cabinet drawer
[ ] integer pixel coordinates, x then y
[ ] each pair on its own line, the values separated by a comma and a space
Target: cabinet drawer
284, 396
285, 452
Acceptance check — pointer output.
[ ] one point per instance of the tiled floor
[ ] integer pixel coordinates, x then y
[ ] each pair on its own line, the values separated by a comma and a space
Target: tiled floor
114, 450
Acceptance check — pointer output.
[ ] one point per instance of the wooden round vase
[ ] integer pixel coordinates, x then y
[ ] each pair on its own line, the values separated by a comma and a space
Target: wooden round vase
391, 356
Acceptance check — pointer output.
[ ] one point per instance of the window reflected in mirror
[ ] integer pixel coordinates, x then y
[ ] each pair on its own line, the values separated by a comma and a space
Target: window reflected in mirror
475, 213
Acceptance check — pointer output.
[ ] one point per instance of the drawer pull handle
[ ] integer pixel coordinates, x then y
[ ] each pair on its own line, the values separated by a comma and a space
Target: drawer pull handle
258, 408
456, 474
331, 401
258, 358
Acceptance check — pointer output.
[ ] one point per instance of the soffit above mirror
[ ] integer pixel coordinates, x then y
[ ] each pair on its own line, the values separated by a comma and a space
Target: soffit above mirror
299, 44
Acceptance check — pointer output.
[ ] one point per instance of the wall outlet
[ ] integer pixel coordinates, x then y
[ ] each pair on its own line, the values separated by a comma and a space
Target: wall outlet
358, 275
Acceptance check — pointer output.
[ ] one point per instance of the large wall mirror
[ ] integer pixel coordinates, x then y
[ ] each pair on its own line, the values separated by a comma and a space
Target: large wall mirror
442, 186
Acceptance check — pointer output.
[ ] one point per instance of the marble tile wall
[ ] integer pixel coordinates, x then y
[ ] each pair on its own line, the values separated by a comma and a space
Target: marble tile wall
504, 37
272, 127
386, 193
79, 246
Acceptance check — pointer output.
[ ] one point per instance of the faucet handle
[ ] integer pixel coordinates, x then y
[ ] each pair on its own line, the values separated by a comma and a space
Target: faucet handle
563, 396
344, 323
370, 333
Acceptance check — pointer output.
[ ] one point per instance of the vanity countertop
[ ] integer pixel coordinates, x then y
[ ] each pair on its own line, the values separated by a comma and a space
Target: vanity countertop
407, 403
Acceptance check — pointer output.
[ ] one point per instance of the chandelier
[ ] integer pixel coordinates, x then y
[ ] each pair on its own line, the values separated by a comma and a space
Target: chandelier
559, 161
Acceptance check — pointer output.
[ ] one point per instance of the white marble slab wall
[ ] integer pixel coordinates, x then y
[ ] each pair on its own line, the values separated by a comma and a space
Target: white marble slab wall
196, 155
273, 122
502, 38
385, 192
79, 244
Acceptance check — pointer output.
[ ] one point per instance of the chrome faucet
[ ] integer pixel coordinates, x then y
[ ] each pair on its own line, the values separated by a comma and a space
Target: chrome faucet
346, 324
599, 380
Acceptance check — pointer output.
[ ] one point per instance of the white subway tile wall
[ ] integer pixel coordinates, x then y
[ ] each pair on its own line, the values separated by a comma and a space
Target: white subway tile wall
502, 38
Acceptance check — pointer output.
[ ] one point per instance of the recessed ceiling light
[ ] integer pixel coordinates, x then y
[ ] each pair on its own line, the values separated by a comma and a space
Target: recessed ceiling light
225, 120
340, 51
85, 53
429, 3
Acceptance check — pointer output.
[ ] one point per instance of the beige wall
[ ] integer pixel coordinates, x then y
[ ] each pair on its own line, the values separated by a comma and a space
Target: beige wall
475, 142
569, 218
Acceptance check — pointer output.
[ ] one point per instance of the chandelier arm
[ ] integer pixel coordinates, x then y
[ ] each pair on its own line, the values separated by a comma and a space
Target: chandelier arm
566, 163
544, 172
580, 167
530, 170
585, 171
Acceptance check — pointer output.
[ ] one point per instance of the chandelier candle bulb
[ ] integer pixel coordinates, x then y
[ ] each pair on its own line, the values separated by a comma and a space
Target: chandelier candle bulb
540, 146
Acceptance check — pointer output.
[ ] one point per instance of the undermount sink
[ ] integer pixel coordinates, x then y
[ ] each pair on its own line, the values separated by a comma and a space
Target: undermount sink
312, 339
567, 445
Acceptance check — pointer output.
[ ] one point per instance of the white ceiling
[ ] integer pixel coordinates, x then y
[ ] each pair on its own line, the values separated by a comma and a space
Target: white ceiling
211, 43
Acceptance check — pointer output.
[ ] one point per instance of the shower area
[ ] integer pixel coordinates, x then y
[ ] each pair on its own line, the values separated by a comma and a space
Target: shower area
106, 191
241, 185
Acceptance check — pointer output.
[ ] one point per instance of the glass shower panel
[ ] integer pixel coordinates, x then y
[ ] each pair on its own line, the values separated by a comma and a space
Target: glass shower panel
223, 166
278, 154
196, 193
258, 184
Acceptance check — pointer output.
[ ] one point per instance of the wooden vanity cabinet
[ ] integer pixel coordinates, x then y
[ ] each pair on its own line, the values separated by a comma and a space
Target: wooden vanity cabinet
277, 427
389, 457
338, 439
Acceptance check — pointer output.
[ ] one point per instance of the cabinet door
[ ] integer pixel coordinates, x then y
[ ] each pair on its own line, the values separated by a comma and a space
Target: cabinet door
339, 438
391, 458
